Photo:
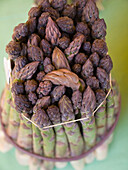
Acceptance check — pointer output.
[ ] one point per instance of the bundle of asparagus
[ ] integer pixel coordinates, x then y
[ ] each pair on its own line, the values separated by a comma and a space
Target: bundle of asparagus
60, 72
34, 164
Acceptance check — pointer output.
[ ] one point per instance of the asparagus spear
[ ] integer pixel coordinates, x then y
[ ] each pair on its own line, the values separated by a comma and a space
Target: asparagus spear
6, 106
37, 140
110, 110
5, 146
25, 133
89, 127
42, 120
116, 95
62, 149
89, 132
14, 123
100, 115
72, 130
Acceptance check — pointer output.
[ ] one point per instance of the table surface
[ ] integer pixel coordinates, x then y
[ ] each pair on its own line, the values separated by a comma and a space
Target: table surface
13, 12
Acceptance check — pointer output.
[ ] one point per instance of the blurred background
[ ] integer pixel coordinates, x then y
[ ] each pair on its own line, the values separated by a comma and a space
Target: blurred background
115, 13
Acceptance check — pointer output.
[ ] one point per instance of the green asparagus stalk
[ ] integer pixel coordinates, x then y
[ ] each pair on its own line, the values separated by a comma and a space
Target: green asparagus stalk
48, 142
49, 147
72, 130
25, 133
89, 132
89, 126
37, 140
42, 120
101, 120
6, 105
116, 95
62, 149
100, 115
14, 123
110, 110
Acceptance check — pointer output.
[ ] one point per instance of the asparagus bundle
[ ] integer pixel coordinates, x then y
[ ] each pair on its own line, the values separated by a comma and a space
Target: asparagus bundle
72, 130
100, 115
89, 126
24, 138
6, 105
60, 61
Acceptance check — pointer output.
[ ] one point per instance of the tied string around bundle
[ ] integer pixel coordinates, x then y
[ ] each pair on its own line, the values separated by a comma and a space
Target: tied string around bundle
76, 120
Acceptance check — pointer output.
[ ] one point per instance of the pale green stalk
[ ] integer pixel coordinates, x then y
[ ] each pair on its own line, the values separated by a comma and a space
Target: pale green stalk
25, 133
6, 105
